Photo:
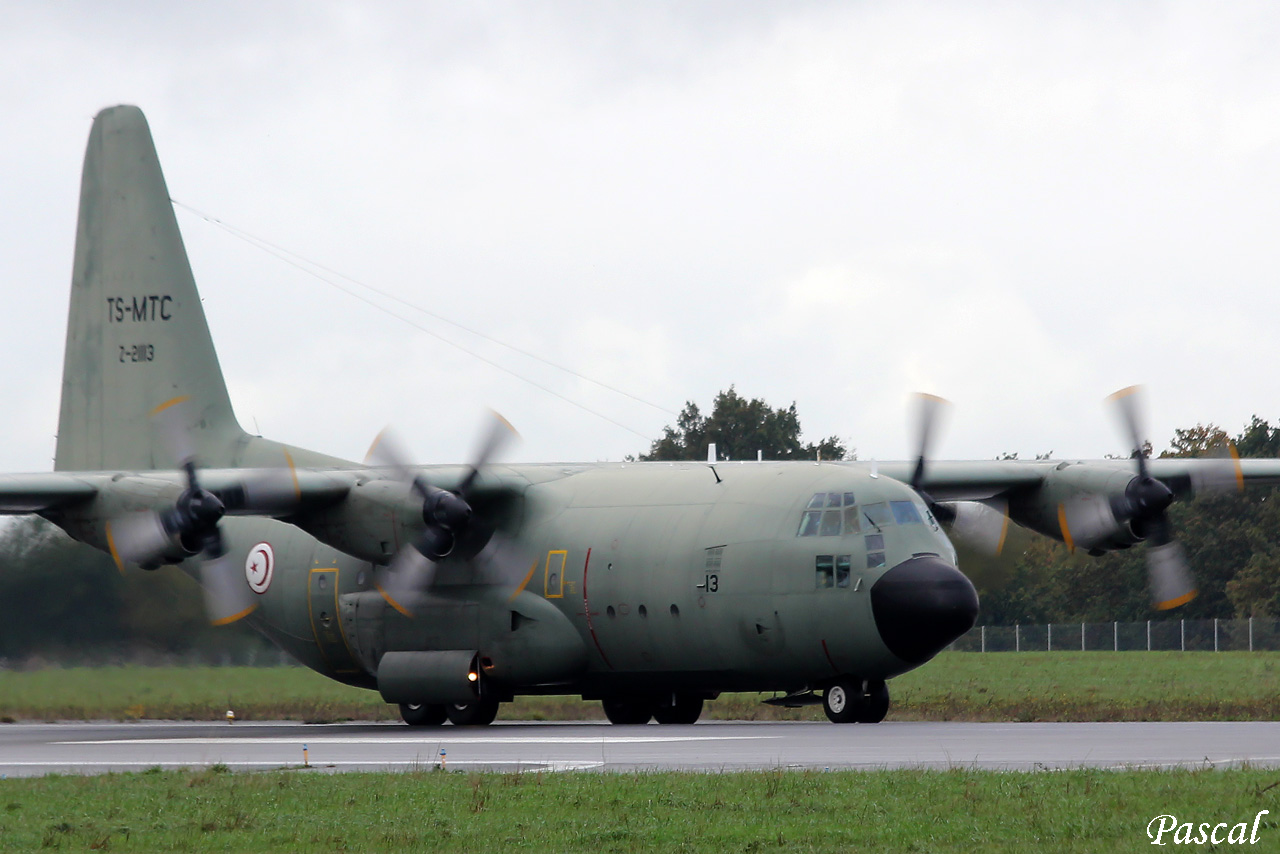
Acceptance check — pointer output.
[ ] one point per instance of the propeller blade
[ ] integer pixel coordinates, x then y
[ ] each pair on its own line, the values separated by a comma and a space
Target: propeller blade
1218, 472
1169, 576
929, 409
502, 563
982, 526
1127, 405
400, 582
387, 450
500, 435
139, 538
174, 422
227, 596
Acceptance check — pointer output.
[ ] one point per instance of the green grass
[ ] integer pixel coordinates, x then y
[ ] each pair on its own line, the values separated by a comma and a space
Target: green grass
947, 811
1088, 686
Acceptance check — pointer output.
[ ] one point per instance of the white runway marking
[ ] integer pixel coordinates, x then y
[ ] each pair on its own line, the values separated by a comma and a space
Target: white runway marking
443, 738
548, 765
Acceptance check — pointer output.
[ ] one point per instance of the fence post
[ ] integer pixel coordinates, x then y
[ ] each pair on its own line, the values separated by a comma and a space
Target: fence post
1048, 644
1215, 634
1115, 634
1251, 634
1182, 627
1148, 636
984, 638
1017, 638
1082, 637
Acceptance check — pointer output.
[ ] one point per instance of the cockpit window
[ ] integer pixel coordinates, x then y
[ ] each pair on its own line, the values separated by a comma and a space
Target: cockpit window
809, 523
878, 515
905, 513
830, 514
852, 520
830, 524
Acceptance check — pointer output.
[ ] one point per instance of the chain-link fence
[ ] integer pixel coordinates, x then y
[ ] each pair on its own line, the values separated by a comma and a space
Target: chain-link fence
1185, 635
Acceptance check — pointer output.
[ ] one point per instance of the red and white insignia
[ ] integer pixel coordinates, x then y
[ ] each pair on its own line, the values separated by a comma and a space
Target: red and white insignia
258, 567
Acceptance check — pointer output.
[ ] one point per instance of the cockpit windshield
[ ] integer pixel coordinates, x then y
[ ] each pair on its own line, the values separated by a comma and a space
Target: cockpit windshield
830, 514
835, 514
906, 513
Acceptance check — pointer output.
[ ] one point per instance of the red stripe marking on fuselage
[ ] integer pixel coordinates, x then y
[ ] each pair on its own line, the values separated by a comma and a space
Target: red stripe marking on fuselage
827, 653
586, 609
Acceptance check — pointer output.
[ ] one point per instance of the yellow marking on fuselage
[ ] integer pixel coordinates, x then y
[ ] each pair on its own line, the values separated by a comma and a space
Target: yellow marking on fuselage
558, 586
337, 616
173, 401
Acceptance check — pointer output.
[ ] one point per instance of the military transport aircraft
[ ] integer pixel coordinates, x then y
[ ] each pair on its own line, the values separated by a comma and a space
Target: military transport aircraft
451, 589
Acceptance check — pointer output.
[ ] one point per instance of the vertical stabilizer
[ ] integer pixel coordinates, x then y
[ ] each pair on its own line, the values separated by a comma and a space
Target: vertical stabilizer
136, 332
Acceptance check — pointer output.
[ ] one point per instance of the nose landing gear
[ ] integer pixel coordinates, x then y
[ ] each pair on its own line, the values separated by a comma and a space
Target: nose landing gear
848, 700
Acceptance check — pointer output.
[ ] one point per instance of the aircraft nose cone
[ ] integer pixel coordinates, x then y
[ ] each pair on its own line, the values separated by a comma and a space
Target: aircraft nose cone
921, 605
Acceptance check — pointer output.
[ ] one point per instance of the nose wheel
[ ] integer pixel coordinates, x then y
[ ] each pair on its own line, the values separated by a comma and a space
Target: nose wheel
849, 700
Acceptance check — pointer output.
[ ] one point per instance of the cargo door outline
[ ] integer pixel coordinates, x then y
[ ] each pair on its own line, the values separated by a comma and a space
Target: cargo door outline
326, 621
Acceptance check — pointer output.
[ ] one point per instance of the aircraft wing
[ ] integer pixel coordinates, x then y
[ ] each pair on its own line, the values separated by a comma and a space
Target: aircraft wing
280, 491
33, 493
978, 480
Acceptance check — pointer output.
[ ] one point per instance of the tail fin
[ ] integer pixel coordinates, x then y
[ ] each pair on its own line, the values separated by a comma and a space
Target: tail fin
136, 332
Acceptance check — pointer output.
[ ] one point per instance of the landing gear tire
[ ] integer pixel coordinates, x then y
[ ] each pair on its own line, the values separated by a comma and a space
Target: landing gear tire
678, 709
864, 701
627, 710
422, 714
875, 705
840, 701
480, 713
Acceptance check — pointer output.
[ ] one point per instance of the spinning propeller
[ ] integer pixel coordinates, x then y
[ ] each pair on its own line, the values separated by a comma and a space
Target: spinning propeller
190, 527
450, 519
982, 526
1142, 507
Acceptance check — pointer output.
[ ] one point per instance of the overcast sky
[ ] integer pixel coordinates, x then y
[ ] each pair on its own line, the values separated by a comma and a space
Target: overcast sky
1021, 207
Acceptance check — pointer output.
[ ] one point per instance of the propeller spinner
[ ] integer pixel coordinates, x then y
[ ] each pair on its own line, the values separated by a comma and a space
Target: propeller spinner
450, 519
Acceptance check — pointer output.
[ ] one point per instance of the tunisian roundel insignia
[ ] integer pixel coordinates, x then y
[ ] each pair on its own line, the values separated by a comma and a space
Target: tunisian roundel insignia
258, 567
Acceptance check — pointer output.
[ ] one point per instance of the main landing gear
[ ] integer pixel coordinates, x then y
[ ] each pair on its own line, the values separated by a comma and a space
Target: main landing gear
673, 708
480, 713
848, 700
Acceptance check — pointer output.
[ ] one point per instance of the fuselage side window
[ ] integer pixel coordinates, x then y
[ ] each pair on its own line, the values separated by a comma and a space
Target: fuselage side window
823, 571
843, 564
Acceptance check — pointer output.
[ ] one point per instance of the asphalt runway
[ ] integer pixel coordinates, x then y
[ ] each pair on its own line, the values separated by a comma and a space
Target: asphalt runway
90, 748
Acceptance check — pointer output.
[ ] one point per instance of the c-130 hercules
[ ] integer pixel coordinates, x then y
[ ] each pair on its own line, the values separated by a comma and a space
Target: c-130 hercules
451, 589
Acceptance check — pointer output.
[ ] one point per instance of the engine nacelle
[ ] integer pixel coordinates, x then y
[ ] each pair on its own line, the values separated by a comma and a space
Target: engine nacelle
1084, 493
138, 502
